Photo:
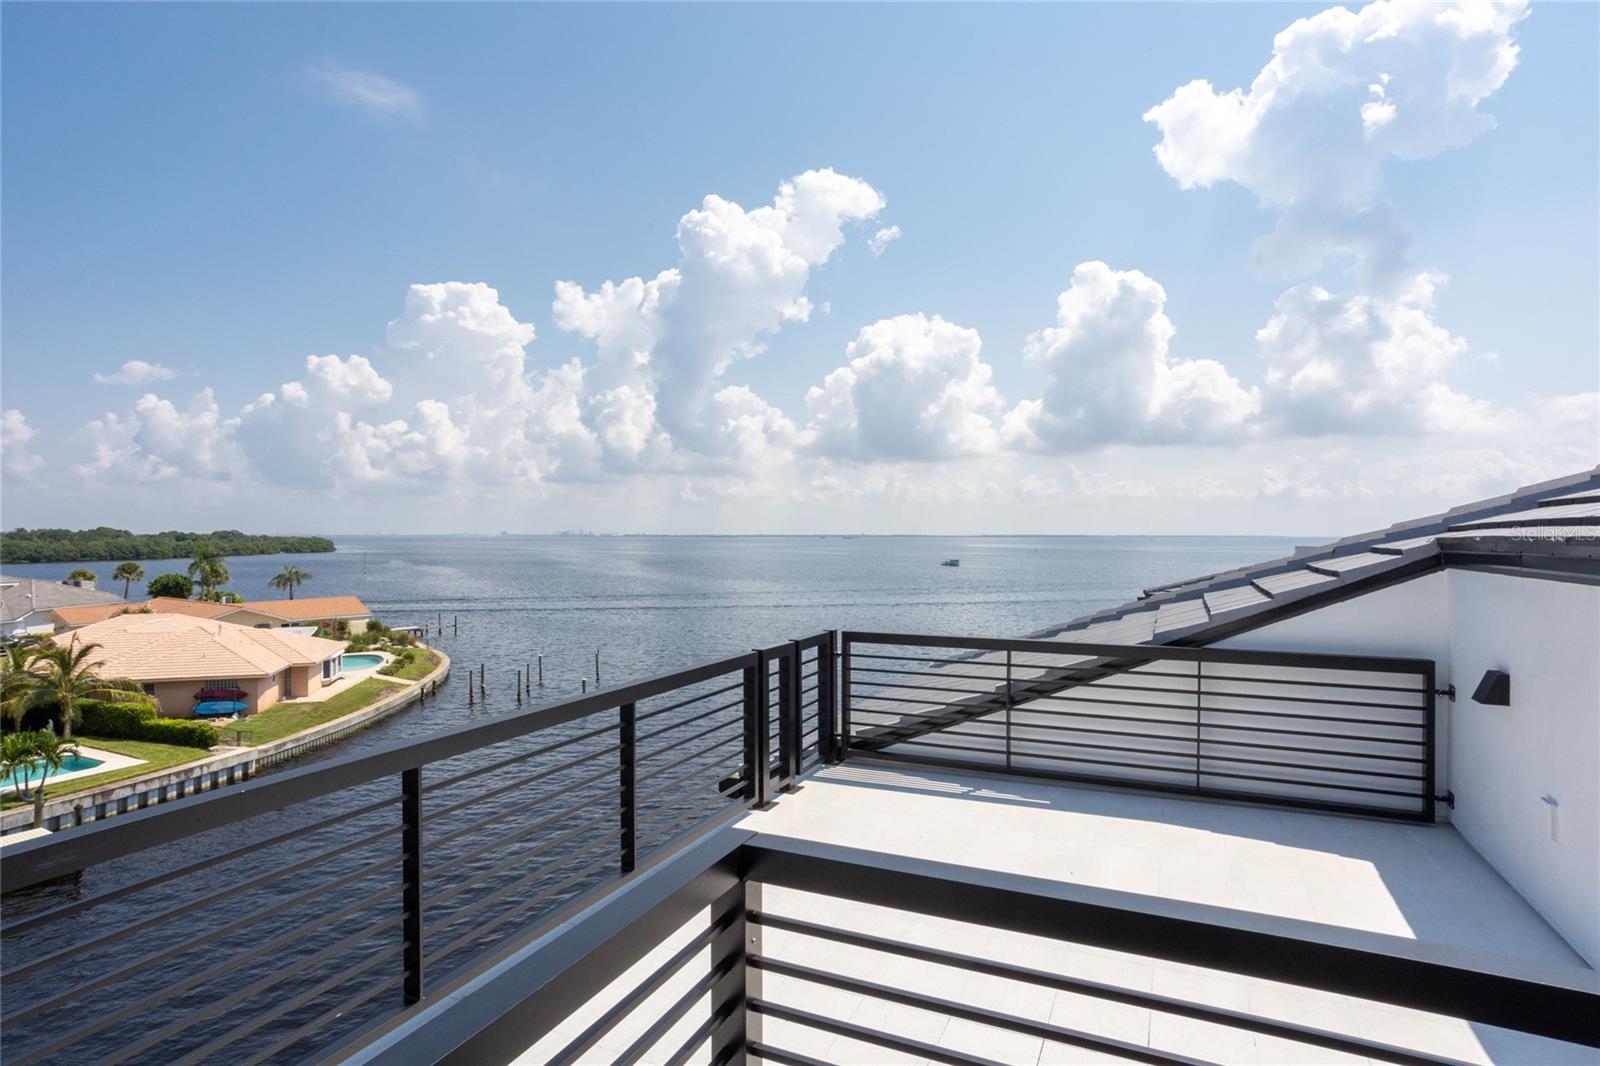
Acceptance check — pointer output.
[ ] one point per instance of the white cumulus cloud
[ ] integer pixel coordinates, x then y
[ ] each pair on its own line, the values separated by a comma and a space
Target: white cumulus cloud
158, 441
1343, 92
741, 276
1110, 377
913, 387
17, 457
883, 238
136, 372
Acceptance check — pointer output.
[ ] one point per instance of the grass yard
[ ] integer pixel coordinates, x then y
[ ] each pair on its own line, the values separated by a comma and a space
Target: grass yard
282, 719
155, 756
416, 670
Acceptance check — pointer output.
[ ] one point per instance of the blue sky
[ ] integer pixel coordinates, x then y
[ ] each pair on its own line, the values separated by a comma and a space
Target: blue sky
221, 191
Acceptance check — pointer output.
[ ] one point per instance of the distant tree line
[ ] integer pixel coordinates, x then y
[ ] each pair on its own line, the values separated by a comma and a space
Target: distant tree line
67, 545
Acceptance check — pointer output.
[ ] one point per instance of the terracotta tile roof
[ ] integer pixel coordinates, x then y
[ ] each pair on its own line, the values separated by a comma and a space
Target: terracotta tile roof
181, 647
82, 616
309, 609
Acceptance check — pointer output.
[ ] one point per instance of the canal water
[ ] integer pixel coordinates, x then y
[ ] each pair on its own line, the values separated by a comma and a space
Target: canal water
279, 952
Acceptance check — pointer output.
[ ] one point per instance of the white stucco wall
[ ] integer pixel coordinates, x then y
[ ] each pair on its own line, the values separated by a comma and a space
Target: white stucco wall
1499, 761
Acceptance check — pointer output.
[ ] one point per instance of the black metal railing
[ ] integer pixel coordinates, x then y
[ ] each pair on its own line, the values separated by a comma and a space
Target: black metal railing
1344, 733
264, 921
677, 968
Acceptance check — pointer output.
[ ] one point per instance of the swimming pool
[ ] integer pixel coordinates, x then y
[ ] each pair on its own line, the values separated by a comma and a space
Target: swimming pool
218, 708
69, 765
362, 661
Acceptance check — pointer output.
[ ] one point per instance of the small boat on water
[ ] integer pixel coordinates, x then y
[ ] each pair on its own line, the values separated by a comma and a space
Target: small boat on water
951, 562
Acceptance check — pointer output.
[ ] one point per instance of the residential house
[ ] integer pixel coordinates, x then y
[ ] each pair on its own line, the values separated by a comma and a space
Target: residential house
176, 656
26, 604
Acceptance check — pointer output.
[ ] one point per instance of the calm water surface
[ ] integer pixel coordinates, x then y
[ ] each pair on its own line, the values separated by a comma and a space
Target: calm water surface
274, 954
653, 604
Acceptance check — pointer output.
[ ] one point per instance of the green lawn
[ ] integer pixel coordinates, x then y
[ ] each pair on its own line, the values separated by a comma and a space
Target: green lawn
155, 756
416, 670
285, 718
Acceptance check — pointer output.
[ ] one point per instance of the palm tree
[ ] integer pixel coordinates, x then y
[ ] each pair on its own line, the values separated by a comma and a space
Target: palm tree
289, 577
127, 573
15, 681
21, 754
61, 676
82, 574
209, 570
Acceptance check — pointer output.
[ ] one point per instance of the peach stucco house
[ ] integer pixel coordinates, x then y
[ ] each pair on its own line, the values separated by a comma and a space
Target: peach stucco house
177, 655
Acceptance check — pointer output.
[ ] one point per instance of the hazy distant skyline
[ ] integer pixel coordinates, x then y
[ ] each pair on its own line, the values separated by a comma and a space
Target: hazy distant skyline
1046, 269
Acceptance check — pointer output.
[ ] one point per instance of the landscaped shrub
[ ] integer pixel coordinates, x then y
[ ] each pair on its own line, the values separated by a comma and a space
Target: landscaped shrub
117, 721
140, 721
184, 731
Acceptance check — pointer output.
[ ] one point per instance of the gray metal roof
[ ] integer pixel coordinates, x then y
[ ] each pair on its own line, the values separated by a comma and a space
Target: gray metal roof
21, 596
1564, 512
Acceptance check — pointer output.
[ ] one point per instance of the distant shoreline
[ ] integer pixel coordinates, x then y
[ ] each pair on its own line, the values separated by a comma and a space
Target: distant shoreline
107, 545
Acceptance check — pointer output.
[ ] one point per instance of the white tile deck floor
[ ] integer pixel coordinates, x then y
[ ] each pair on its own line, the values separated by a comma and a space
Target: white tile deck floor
1408, 880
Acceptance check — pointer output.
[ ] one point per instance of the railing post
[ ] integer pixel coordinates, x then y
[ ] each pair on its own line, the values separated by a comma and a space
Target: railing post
1430, 736
626, 785
756, 755
411, 873
827, 704
789, 718
843, 742
1199, 709
1008, 708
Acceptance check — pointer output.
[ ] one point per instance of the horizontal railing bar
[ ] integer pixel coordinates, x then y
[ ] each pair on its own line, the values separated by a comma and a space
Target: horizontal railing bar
190, 906
768, 1053
521, 908
702, 1032
642, 737
692, 737
1000, 679
1187, 727
604, 840
261, 984
333, 1012
1183, 785
1311, 733
657, 771
851, 1030
1420, 708
656, 711
1099, 990
1314, 751
1000, 739
231, 963
858, 683
696, 818
33, 861
500, 814
518, 835
999, 753
518, 783
521, 756
676, 780
982, 1016
210, 935
856, 656
671, 1016
640, 992
79, 906
1297, 716
1032, 711
993, 700
1367, 663
1207, 759
257, 1021
1556, 1002
1206, 772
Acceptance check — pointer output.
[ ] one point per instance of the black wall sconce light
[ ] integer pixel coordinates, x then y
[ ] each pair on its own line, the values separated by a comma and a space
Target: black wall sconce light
1494, 690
